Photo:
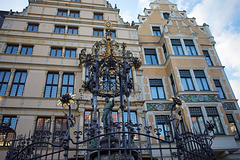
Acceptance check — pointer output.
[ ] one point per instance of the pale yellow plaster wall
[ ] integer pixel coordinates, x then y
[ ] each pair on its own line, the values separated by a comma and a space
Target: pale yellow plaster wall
24, 125
46, 27
102, 2
86, 31
34, 83
49, 11
18, 25
35, 9
164, 7
110, 16
219, 74
153, 19
86, 14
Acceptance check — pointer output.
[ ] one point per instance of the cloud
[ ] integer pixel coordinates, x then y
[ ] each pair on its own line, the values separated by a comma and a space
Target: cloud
126, 15
222, 16
143, 4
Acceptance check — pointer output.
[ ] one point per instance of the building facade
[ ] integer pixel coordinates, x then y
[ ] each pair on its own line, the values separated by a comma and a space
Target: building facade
39, 62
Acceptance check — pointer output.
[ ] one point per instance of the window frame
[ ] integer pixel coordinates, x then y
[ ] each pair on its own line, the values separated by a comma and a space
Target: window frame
71, 54
207, 57
18, 84
13, 50
32, 27
153, 56
190, 47
4, 82
165, 127
200, 81
231, 121
173, 85
111, 33
62, 12
60, 28
98, 31
98, 15
219, 87
74, 30
51, 85
156, 32
5, 137
157, 86
27, 50
165, 52
57, 49
74, 13
187, 79
199, 126
213, 116
176, 46
68, 81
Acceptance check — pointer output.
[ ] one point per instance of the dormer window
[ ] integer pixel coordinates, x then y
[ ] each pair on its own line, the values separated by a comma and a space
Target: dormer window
156, 31
166, 15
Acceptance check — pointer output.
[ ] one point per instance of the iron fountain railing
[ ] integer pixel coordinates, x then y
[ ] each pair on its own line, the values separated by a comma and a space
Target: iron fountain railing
109, 77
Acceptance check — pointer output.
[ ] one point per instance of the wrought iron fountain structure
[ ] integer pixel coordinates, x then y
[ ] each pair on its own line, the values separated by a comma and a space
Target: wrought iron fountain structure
109, 76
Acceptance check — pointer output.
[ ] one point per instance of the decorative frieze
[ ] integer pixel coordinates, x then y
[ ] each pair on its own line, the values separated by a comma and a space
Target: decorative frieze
229, 106
199, 97
159, 106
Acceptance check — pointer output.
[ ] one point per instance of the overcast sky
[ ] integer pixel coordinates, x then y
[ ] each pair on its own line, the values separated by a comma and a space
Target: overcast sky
222, 16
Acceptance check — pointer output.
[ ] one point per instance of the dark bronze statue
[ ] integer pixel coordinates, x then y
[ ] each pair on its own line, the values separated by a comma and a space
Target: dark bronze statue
107, 118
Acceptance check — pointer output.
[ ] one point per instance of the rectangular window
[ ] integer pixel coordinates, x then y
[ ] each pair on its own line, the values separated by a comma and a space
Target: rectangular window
88, 120
233, 126
214, 118
18, 83
173, 84
207, 57
60, 129
62, 13
10, 121
134, 120
201, 80
197, 120
157, 89
74, 14
165, 51
76, 0
70, 53
98, 16
219, 89
151, 56
186, 80
156, 31
56, 52
12, 49
32, 27
51, 85
4, 78
190, 47
98, 32
166, 15
67, 83
164, 126
177, 47
72, 30
26, 50
59, 29
111, 33
42, 126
